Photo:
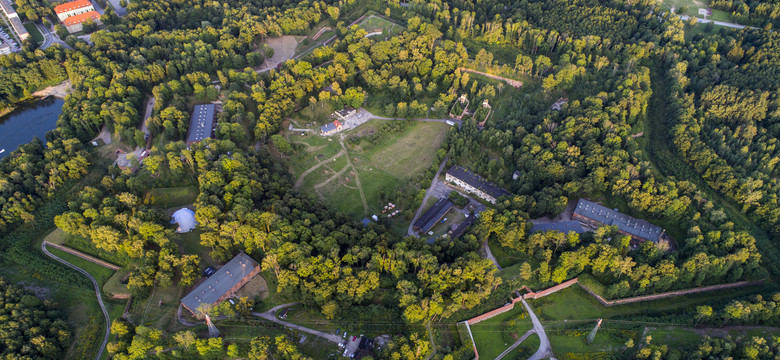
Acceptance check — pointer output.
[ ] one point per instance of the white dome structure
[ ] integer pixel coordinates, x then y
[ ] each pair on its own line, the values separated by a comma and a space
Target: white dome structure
186, 220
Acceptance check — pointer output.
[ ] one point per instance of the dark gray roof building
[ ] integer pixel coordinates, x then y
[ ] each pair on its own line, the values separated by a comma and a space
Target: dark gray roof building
475, 184
458, 231
201, 123
562, 226
220, 286
426, 221
636, 228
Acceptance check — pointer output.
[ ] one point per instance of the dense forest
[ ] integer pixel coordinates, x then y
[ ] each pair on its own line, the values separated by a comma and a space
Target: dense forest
603, 57
31, 328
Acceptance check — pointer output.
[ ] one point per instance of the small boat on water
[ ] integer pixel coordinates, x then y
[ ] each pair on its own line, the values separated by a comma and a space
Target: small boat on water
2, 151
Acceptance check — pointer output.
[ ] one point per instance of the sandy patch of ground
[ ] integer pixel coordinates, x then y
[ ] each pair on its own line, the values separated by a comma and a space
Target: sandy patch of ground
104, 135
284, 49
58, 91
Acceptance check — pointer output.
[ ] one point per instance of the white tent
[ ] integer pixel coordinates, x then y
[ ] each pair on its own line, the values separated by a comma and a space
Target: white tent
186, 220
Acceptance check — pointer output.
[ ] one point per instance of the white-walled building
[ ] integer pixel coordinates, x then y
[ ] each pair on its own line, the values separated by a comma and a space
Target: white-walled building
73, 8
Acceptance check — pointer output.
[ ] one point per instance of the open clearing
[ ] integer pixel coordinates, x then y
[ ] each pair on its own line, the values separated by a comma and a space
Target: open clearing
284, 49
171, 197
374, 23
324, 168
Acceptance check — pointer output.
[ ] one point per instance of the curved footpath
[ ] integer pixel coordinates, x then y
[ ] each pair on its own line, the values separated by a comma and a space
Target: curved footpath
97, 294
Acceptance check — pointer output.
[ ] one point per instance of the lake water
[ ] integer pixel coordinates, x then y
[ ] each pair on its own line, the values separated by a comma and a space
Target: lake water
20, 126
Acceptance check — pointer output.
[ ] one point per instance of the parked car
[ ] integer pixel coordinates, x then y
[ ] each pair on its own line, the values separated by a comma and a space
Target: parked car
209, 271
338, 331
232, 302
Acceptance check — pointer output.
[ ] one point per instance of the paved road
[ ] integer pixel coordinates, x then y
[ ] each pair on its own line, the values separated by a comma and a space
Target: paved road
118, 9
97, 294
149, 108
428, 194
516, 344
489, 255
544, 343
183, 321
47, 38
719, 23
270, 315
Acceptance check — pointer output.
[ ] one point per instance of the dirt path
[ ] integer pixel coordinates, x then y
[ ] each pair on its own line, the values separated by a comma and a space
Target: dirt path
335, 176
270, 315
299, 182
309, 148
104, 135
510, 82
357, 176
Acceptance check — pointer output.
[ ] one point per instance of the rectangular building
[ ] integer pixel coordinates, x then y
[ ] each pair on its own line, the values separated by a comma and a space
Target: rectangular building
223, 284
475, 184
594, 214
431, 217
75, 23
330, 128
13, 18
201, 123
72, 8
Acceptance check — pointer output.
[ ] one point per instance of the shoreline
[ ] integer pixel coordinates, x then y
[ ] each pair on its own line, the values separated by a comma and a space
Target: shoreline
59, 91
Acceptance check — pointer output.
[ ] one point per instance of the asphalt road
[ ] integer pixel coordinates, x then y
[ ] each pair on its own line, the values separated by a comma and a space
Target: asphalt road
516, 344
544, 343
97, 294
719, 23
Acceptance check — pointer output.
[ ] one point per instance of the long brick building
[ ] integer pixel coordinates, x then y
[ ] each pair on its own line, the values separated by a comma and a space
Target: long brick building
222, 284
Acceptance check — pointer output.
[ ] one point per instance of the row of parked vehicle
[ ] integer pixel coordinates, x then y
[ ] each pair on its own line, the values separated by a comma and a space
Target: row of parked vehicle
7, 39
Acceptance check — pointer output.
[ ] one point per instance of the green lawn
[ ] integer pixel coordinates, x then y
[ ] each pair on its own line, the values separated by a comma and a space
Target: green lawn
504, 257
374, 23
496, 334
384, 169
674, 337
34, 33
100, 273
573, 303
172, 197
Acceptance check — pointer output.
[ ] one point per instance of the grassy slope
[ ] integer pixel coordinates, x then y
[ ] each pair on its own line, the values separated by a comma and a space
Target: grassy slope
492, 337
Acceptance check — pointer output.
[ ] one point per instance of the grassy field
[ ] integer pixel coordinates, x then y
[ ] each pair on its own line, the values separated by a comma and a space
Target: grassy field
496, 334
374, 23
573, 303
382, 169
34, 33
100, 273
171, 197
504, 258
189, 243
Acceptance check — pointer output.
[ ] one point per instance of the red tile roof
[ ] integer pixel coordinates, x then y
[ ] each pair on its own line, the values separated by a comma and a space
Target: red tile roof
80, 18
73, 5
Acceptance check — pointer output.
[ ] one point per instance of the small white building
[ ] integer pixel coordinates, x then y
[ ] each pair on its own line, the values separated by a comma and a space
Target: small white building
186, 220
